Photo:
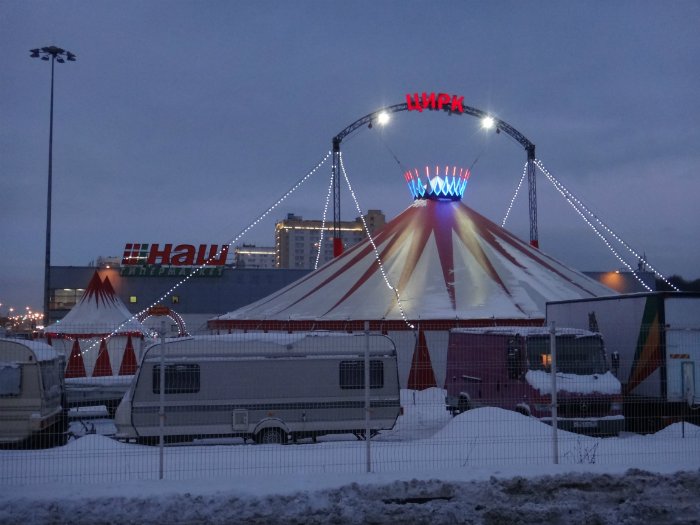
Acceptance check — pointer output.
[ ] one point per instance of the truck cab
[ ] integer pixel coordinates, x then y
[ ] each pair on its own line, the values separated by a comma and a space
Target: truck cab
511, 368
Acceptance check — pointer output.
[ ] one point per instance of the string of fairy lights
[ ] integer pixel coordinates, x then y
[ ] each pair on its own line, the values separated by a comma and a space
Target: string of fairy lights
583, 210
199, 268
374, 246
323, 221
602, 237
515, 195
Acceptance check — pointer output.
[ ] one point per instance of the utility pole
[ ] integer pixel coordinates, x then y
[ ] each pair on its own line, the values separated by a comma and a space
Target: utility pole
54, 54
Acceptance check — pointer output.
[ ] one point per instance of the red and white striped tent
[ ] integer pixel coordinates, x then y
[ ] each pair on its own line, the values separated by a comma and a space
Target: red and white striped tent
98, 334
451, 266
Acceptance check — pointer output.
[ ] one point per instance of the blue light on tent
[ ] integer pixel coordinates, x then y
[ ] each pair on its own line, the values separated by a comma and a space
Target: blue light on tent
448, 183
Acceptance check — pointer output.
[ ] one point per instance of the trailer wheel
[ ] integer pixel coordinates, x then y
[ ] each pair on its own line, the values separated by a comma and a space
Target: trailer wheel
271, 436
149, 441
111, 407
462, 405
524, 411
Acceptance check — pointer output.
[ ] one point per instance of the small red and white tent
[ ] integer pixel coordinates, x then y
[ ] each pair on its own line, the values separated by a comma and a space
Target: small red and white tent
99, 334
451, 267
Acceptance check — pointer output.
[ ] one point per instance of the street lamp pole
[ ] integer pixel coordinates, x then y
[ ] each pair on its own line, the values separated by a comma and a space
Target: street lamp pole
55, 54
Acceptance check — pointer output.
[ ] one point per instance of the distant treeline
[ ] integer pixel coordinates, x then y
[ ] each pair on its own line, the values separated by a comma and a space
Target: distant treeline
680, 283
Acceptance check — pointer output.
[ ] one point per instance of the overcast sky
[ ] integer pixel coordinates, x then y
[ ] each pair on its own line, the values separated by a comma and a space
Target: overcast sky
183, 121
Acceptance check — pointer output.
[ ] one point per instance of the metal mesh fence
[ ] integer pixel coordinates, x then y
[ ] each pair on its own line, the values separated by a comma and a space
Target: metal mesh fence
126, 407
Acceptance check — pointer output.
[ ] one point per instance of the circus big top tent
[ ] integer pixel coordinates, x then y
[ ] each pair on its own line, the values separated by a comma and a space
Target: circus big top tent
448, 266
99, 334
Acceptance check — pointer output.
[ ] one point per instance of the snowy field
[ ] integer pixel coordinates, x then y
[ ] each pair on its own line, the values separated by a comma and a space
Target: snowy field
484, 466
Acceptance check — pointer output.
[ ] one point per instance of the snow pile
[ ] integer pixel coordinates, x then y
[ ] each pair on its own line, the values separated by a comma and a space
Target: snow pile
577, 498
430, 468
425, 437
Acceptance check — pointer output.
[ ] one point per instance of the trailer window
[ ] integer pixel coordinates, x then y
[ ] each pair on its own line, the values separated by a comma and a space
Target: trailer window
50, 375
179, 379
352, 374
10, 379
575, 355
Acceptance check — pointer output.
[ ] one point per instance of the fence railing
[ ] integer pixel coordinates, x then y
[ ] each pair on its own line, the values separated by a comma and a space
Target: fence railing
127, 407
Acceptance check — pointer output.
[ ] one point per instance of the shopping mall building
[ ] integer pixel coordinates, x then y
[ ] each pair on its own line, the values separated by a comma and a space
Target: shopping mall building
173, 275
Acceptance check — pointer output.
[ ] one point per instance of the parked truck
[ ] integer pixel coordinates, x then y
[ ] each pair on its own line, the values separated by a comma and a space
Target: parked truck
264, 387
654, 341
33, 410
510, 367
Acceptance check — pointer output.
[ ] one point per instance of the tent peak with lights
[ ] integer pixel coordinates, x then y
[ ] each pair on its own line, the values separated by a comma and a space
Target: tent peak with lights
438, 265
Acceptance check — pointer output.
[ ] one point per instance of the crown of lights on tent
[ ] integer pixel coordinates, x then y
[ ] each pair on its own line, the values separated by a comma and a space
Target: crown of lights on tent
442, 184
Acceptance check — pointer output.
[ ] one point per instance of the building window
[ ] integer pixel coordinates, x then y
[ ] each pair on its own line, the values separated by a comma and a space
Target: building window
175, 299
179, 379
65, 298
352, 374
132, 299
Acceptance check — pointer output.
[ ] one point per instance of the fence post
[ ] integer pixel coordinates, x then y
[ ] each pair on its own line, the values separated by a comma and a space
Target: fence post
553, 374
367, 400
161, 409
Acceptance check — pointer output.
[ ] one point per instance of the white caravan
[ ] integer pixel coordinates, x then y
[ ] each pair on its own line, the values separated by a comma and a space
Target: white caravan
32, 401
266, 387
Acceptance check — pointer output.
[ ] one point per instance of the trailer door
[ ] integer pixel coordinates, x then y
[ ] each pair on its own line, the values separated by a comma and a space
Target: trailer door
682, 358
682, 320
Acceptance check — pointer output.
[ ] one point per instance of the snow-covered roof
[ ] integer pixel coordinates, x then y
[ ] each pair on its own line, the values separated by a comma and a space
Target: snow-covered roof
605, 383
446, 261
98, 313
42, 351
258, 344
524, 331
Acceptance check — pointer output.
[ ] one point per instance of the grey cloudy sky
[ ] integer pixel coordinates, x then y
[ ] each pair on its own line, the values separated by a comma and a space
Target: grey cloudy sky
183, 121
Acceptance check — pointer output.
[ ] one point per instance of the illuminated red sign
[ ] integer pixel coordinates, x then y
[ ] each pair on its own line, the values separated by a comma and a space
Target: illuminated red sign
158, 310
435, 101
140, 254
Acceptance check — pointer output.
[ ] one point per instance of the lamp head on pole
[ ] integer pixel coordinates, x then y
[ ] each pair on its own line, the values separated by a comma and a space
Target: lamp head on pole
48, 52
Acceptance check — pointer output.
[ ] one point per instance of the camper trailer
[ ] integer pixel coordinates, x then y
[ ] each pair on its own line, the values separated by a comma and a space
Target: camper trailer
510, 367
265, 387
32, 394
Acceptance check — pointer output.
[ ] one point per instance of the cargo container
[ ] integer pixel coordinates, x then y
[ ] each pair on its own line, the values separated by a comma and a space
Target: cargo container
654, 342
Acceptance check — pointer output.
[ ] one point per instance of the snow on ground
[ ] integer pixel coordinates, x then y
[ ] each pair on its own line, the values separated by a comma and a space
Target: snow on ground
484, 466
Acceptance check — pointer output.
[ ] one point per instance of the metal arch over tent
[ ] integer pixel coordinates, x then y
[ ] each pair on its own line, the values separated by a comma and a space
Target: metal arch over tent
451, 104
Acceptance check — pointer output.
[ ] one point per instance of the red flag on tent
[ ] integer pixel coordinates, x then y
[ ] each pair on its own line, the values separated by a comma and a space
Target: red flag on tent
421, 375
102, 367
128, 366
76, 366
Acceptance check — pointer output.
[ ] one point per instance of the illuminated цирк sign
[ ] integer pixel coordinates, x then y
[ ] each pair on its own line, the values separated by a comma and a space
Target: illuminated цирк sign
417, 102
141, 259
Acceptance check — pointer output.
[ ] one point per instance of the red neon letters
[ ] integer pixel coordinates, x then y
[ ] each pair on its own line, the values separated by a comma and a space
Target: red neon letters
181, 255
434, 101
